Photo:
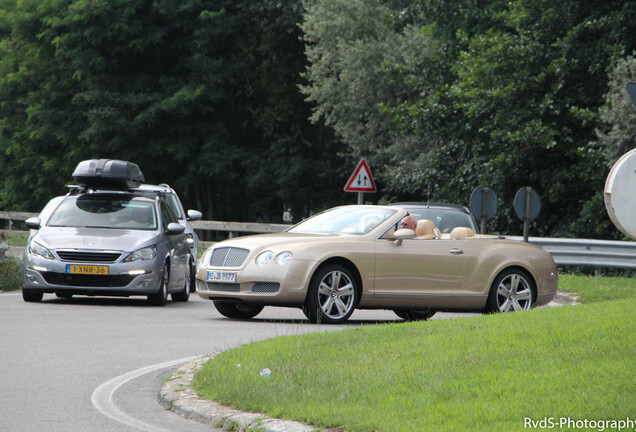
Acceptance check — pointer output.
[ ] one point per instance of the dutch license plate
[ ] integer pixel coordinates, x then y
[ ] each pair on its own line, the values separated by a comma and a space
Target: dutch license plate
86, 269
221, 276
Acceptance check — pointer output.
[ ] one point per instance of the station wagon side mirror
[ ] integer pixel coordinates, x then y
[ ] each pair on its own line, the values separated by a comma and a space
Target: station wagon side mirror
403, 234
33, 223
175, 228
194, 215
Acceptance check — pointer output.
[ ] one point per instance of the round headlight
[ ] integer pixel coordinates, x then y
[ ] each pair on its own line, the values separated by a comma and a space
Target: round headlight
284, 257
264, 258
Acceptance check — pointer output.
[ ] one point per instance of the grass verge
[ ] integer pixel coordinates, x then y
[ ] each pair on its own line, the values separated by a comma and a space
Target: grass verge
10, 274
14, 238
590, 289
479, 373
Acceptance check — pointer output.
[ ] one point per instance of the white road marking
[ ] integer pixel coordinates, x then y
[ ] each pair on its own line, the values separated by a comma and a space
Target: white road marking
102, 397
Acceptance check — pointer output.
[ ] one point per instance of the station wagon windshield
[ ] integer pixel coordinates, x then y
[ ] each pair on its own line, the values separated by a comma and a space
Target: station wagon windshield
104, 212
344, 220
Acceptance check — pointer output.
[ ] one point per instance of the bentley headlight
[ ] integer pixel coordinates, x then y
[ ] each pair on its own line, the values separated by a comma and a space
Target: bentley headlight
264, 258
36, 248
205, 259
146, 253
284, 257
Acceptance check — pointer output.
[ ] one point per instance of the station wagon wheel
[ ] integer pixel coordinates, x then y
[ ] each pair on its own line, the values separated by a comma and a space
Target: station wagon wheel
161, 296
184, 294
237, 310
414, 315
31, 296
332, 295
513, 290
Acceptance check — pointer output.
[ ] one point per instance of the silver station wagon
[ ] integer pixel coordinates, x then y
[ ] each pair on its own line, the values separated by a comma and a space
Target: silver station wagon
105, 239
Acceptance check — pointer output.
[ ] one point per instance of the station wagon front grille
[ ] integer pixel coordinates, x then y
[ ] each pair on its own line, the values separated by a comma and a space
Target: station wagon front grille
266, 287
228, 257
225, 287
77, 256
79, 280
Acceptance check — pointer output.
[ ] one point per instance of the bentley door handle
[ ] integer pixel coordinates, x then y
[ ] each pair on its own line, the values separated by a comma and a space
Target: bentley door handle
456, 251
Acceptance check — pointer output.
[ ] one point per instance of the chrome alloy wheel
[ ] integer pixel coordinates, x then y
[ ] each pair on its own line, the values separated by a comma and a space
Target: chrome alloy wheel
514, 293
336, 295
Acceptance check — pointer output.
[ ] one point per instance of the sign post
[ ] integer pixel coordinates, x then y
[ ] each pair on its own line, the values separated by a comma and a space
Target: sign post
361, 181
527, 205
483, 204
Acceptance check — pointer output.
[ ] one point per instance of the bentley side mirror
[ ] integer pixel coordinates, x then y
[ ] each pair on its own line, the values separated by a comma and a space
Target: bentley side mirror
403, 234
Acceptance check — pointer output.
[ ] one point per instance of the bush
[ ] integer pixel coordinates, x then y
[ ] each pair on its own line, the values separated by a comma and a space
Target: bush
10, 274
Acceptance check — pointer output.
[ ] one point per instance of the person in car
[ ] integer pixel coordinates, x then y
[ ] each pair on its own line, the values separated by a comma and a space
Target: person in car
409, 222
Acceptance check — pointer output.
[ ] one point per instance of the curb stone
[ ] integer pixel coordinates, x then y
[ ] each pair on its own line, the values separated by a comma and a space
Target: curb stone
179, 397
563, 298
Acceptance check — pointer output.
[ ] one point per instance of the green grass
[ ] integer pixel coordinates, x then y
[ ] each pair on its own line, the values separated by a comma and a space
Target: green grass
592, 289
477, 373
10, 274
15, 238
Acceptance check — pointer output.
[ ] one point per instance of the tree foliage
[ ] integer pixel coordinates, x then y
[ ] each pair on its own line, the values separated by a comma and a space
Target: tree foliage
249, 108
506, 94
201, 94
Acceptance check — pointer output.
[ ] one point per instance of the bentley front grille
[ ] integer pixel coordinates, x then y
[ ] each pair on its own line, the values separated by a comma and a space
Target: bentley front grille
228, 257
224, 287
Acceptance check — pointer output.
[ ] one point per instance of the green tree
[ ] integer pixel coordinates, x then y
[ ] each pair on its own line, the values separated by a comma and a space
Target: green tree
464, 93
201, 94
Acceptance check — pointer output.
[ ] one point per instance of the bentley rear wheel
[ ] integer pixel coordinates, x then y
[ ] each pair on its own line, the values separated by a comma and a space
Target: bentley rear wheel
512, 290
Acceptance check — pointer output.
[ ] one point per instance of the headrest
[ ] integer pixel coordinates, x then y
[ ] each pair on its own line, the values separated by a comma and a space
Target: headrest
426, 229
461, 233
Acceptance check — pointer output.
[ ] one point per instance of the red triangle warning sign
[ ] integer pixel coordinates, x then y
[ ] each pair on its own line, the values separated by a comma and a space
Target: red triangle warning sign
361, 180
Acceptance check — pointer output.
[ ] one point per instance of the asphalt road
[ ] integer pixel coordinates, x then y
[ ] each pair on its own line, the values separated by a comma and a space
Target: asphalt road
97, 364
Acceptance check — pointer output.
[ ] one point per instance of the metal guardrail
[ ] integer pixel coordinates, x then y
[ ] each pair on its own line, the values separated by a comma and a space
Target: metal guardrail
233, 227
585, 252
565, 251
204, 225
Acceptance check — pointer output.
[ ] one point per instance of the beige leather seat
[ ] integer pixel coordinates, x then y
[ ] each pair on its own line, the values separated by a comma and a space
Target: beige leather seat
461, 233
426, 230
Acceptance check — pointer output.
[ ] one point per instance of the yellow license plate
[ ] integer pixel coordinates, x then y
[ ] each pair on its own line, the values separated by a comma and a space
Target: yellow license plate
86, 269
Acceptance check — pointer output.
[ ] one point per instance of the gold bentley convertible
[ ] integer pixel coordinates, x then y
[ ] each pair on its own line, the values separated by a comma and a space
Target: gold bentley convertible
358, 257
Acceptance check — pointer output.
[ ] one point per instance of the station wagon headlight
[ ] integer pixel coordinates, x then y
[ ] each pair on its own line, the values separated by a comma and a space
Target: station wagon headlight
284, 257
264, 258
146, 253
36, 248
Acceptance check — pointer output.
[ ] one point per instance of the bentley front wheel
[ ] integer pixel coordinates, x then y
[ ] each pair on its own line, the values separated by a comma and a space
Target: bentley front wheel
332, 295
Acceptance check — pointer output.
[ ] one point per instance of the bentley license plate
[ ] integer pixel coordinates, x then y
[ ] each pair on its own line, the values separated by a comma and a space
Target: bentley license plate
221, 276
86, 269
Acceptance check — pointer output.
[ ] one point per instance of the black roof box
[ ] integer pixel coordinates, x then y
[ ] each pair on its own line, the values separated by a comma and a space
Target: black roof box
108, 174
